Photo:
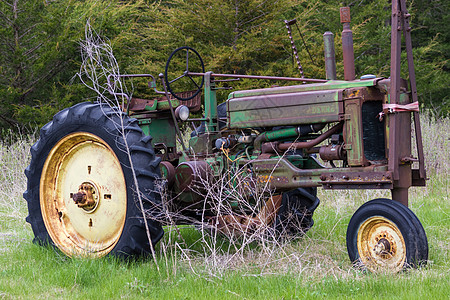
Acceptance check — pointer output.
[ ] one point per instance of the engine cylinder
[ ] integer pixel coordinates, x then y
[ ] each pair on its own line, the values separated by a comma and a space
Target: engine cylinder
331, 152
192, 178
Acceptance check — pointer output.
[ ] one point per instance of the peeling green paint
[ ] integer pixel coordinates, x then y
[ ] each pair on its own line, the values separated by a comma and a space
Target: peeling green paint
329, 85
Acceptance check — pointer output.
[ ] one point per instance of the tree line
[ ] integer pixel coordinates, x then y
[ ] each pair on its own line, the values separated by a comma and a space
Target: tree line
40, 45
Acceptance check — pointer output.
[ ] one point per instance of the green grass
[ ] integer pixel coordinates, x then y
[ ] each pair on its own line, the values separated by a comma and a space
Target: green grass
31, 271
313, 267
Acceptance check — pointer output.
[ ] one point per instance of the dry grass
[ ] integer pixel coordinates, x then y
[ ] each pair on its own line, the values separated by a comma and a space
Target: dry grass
14, 157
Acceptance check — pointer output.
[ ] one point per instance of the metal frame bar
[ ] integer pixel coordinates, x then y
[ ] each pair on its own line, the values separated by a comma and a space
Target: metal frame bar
259, 77
400, 172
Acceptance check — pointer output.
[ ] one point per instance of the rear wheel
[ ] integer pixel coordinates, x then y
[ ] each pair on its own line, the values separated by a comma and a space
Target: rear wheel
295, 216
384, 235
84, 179
286, 214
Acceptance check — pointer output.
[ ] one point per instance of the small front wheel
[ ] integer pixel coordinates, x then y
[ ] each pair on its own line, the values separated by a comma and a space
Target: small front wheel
384, 235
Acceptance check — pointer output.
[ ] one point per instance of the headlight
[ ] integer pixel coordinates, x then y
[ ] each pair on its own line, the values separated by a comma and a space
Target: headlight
182, 112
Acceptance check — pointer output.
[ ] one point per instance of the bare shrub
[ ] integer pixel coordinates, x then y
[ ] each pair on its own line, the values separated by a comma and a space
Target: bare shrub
100, 72
235, 223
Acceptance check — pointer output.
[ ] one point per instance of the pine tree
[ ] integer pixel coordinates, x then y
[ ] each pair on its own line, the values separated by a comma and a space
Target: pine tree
39, 53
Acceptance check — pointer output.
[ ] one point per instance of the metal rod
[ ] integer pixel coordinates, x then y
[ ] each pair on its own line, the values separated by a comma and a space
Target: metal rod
412, 81
311, 143
180, 137
394, 92
259, 77
132, 75
198, 119
347, 45
304, 43
227, 80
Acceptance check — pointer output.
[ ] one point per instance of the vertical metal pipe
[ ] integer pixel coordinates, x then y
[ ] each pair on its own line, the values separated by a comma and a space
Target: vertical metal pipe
172, 112
399, 123
330, 57
347, 45
210, 103
396, 43
400, 195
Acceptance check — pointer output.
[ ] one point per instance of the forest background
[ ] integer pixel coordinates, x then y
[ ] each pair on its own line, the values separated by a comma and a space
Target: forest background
40, 45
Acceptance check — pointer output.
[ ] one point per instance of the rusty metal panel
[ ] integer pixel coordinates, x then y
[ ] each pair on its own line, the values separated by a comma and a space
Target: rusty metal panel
329, 85
285, 109
353, 132
416, 179
357, 180
161, 103
282, 175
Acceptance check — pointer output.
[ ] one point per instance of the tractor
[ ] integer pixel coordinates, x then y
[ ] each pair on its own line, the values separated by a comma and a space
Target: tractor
97, 173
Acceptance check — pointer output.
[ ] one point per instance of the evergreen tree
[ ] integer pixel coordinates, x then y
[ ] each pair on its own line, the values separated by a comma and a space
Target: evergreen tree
39, 53
23, 51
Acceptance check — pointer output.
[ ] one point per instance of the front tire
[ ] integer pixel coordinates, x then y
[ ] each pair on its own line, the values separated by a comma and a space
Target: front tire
81, 191
384, 235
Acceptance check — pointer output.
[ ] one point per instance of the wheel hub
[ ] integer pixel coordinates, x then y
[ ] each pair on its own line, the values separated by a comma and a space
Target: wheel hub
381, 245
83, 195
86, 197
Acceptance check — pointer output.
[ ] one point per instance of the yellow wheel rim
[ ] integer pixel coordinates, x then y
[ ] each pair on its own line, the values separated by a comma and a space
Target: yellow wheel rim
78, 162
381, 246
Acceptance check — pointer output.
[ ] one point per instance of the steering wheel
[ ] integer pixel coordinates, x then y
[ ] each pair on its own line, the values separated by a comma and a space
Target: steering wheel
184, 60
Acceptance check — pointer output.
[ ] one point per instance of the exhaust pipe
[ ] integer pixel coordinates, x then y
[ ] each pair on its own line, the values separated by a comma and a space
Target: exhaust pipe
347, 45
330, 57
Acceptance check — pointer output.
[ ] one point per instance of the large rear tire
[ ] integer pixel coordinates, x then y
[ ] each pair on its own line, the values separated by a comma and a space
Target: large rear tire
82, 194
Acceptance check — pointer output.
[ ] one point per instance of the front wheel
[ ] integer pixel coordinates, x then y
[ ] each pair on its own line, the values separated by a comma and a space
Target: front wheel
88, 171
384, 235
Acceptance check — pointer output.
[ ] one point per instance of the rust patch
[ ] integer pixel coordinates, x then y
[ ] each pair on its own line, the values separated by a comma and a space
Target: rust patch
233, 224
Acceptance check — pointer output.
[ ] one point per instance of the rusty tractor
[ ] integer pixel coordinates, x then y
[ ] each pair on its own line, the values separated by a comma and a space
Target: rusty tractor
89, 179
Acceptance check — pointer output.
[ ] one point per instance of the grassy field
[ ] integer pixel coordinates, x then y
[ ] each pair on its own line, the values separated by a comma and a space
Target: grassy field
193, 267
